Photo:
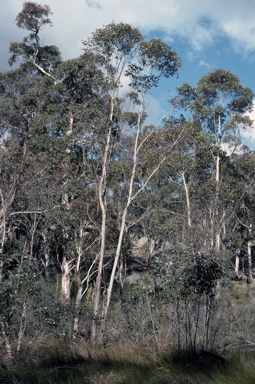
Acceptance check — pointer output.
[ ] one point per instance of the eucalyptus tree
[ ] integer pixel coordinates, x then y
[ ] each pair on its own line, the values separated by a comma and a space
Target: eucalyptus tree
23, 98
225, 102
72, 117
218, 104
33, 18
239, 192
114, 45
19, 114
124, 52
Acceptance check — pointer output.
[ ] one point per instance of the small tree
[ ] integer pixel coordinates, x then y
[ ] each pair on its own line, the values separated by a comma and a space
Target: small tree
33, 18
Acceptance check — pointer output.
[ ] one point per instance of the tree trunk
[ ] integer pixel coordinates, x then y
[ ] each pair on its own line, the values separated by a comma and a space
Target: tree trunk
1, 253
217, 179
2, 234
237, 263
122, 230
22, 325
131, 197
46, 261
65, 281
250, 278
102, 202
187, 199
8, 355
77, 309
113, 273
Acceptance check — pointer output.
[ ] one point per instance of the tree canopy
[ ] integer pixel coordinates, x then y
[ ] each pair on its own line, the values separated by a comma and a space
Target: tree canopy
84, 180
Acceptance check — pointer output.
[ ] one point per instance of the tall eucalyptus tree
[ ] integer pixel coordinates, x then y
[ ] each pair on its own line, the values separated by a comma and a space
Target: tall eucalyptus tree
218, 105
124, 52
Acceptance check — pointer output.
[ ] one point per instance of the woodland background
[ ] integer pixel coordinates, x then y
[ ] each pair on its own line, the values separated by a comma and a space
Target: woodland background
112, 229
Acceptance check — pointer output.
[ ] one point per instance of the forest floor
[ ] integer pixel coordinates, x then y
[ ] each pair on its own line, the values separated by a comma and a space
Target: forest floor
126, 365
53, 361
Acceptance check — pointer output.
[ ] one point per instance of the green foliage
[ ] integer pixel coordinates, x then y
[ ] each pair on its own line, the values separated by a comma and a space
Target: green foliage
112, 38
202, 277
55, 121
33, 16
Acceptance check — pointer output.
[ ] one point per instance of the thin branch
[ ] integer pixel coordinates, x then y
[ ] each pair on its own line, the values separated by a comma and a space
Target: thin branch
156, 168
28, 212
143, 141
246, 226
42, 70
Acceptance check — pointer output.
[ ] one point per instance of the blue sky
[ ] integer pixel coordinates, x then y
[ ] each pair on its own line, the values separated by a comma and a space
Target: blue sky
207, 34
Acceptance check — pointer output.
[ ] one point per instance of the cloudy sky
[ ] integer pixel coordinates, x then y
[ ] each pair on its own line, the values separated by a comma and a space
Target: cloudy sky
207, 34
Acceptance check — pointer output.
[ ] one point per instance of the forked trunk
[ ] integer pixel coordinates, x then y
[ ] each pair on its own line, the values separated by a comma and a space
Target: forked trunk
102, 202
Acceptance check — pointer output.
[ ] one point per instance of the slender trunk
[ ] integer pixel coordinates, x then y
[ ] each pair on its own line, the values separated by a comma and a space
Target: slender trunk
250, 278
102, 202
217, 179
97, 292
122, 229
46, 261
113, 272
2, 240
22, 326
212, 221
8, 355
197, 320
217, 241
131, 197
77, 309
152, 322
80, 293
187, 199
79, 284
2, 234
237, 263
32, 231
65, 281
208, 317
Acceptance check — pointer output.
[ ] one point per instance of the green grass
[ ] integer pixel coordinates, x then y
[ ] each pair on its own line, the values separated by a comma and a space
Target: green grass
80, 364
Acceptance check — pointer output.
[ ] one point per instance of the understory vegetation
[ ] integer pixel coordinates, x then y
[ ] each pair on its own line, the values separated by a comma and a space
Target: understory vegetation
126, 248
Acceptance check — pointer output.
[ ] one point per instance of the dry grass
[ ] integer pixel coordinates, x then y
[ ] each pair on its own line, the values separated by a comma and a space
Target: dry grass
80, 363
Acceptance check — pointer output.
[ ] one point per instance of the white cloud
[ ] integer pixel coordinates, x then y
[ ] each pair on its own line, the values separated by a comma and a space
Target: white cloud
197, 21
203, 63
249, 134
230, 149
153, 108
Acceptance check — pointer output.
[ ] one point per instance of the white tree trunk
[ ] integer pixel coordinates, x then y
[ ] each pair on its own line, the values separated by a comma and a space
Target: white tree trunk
187, 199
124, 215
217, 179
2, 233
250, 278
2, 238
102, 202
65, 281
237, 264
122, 229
